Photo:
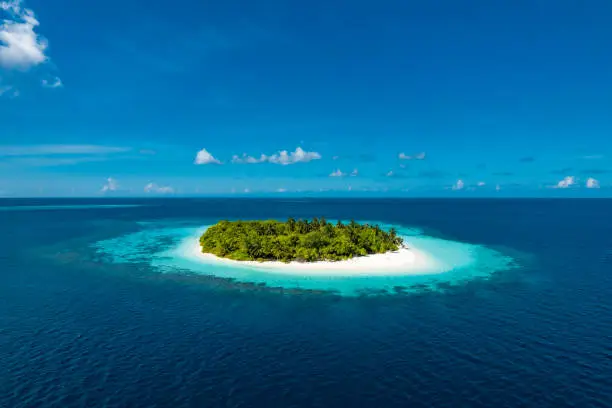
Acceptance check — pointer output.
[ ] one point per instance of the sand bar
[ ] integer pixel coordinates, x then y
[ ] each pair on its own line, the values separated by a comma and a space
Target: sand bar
405, 261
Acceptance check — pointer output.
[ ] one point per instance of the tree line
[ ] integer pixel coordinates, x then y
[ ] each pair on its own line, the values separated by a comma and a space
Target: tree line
296, 240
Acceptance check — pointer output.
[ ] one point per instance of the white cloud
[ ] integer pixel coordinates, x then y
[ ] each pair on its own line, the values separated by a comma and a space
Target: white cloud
592, 183
497, 188
55, 83
283, 157
418, 156
566, 182
481, 184
154, 188
246, 190
281, 190
245, 159
390, 173
298, 156
111, 185
49, 150
203, 157
337, 173
458, 185
20, 46
593, 157
354, 173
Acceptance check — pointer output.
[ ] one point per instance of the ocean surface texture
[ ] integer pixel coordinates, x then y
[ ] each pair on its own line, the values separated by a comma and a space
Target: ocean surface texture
101, 305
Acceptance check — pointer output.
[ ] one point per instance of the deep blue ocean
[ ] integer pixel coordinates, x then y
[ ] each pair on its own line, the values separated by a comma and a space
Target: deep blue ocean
95, 311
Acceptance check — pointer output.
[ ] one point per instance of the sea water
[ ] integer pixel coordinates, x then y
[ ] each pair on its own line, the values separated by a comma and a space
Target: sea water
98, 309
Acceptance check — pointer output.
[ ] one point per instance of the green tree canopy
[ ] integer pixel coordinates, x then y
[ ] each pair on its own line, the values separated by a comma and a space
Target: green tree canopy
296, 240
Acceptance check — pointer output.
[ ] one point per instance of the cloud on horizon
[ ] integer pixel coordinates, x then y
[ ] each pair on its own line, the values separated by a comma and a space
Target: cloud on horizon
592, 183
154, 188
418, 156
566, 182
459, 185
528, 159
111, 185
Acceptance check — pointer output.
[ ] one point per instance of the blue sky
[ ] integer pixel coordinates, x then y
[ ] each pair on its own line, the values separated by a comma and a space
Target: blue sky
436, 98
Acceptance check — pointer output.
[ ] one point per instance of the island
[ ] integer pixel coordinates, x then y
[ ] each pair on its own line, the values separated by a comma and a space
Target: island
301, 240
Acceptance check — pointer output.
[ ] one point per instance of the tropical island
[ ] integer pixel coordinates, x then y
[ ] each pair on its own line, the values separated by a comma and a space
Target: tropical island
296, 240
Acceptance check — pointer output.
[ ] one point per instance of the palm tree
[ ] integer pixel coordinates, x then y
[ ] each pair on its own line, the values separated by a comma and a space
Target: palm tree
291, 224
315, 223
392, 232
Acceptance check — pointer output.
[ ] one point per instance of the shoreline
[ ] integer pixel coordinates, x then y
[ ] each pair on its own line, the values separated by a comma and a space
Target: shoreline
404, 261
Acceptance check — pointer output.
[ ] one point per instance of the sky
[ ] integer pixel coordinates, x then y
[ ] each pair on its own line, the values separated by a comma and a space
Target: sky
326, 97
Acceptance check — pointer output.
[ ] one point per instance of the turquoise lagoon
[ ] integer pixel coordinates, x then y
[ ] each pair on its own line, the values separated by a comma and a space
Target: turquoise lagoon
170, 249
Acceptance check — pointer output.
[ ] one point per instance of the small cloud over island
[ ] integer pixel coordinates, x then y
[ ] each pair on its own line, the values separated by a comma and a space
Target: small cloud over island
283, 157
204, 157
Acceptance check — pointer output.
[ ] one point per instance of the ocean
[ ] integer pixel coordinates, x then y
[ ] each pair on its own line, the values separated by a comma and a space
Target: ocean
99, 307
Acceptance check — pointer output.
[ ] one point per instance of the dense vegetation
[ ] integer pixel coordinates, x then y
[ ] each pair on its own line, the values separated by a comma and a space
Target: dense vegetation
300, 240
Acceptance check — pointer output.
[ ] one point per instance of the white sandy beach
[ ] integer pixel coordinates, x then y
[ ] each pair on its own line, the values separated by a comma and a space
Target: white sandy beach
405, 261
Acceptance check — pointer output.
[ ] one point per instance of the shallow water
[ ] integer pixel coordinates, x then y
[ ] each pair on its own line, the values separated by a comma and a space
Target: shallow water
453, 262
88, 321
